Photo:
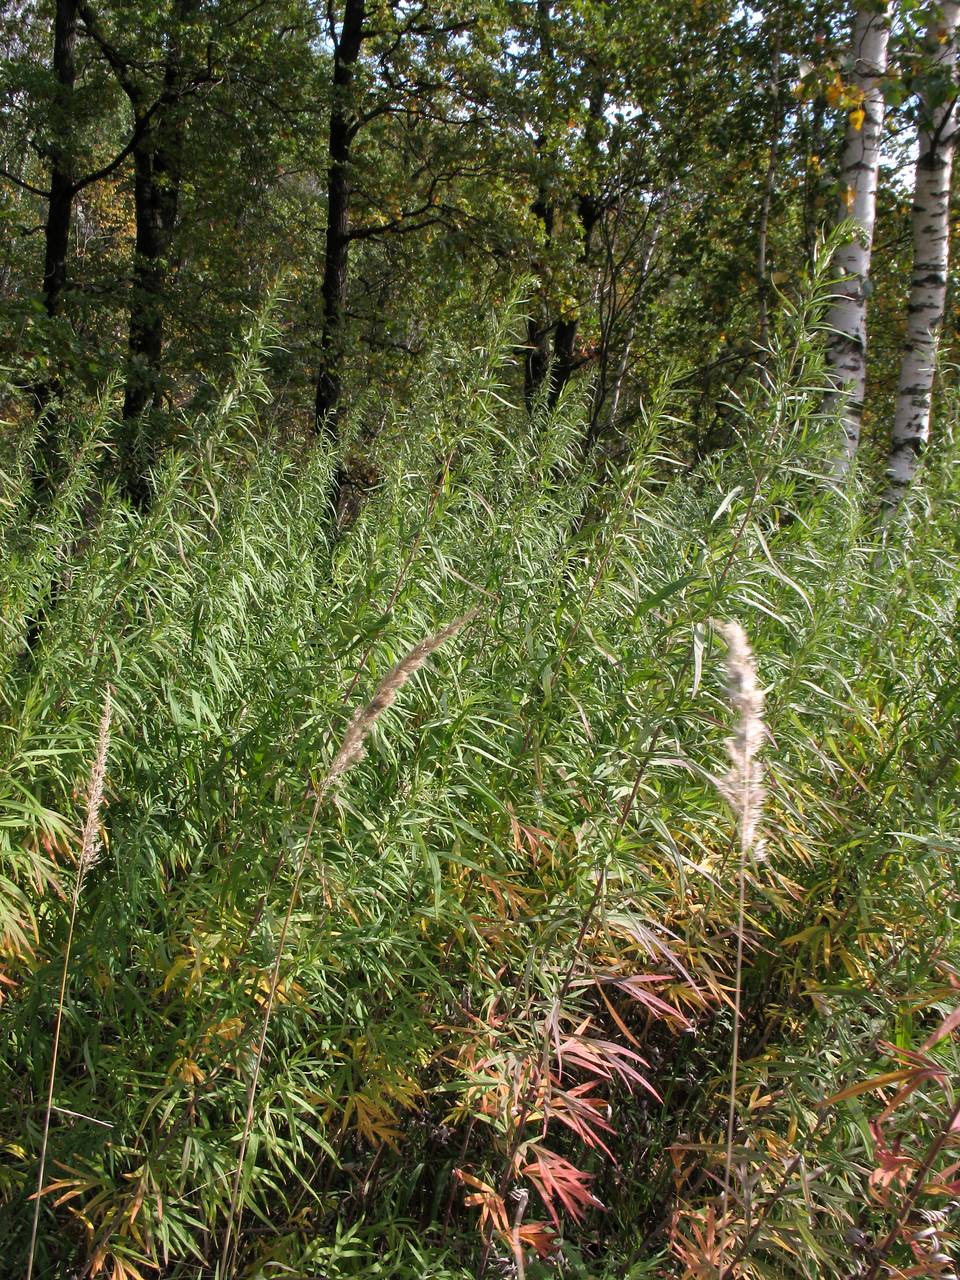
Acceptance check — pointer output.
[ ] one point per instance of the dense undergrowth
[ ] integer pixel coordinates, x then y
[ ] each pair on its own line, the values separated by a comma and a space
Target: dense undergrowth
502, 1030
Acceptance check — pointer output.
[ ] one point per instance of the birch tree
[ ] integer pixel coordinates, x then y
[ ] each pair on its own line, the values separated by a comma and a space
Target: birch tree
847, 318
931, 246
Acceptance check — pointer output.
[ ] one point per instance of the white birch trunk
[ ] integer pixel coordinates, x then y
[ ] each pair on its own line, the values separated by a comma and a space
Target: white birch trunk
847, 346
931, 246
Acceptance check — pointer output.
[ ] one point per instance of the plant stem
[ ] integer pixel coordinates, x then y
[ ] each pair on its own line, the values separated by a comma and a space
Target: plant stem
87, 856
735, 1048
230, 1238
53, 1071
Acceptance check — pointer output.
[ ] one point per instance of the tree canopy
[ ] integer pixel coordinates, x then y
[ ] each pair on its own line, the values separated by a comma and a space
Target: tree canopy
479, 654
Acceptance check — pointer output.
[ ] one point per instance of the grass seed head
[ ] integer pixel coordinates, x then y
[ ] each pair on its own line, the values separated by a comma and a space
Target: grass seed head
352, 749
742, 786
90, 840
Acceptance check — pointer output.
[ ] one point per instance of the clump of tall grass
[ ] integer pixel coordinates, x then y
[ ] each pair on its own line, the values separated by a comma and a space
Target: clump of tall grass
528, 901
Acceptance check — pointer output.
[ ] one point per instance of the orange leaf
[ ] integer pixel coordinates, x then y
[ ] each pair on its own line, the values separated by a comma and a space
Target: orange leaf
539, 1236
864, 1086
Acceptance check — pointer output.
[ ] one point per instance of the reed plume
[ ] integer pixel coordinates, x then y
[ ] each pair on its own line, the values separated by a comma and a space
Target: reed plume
350, 752
742, 785
90, 837
352, 748
742, 788
89, 852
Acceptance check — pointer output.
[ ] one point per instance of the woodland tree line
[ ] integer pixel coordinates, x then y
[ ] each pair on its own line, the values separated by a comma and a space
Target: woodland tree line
479, 617
652, 173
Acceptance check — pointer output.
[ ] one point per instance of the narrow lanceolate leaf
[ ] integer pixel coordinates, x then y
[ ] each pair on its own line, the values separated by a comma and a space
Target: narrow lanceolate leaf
931, 248
950, 1024
847, 318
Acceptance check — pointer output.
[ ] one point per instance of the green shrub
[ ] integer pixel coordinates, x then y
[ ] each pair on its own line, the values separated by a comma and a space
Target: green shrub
505, 996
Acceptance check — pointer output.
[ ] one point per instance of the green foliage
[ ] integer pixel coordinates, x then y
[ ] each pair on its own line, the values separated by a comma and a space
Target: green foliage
509, 965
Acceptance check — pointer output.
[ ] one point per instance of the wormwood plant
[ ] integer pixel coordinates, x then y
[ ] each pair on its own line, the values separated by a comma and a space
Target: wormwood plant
499, 1035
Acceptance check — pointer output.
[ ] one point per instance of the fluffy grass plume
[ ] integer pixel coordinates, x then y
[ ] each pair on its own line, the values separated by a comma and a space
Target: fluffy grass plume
352, 748
742, 788
89, 850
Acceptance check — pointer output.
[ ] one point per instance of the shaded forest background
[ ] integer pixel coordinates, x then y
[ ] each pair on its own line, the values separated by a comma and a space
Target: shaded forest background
479, 785
648, 177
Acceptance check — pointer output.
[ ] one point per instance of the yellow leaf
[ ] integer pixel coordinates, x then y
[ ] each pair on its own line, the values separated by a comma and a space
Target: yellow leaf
229, 1029
758, 1101
849, 199
189, 1072
865, 1086
834, 91
181, 963
856, 118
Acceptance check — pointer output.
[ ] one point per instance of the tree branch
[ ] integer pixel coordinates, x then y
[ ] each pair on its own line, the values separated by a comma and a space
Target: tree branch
119, 64
139, 129
25, 186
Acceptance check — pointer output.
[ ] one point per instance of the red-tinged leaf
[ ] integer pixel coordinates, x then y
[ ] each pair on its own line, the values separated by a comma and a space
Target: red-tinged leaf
469, 1180
865, 1086
915, 1081
638, 988
892, 1166
937, 1187
946, 1028
491, 1205
581, 1113
539, 1236
558, 1180
605, 1059
914, 1056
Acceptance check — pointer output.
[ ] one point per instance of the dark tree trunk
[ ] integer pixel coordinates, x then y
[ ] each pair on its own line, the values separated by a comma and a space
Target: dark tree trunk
156, 201
565, 360
536, 360
57, 240
62, 190
46, 463
557, 358
559, 361
61, 175
564, 357
158, 177
337, 251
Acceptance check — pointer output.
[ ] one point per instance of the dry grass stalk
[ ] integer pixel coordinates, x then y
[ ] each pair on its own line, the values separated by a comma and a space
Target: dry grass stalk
742, 788
351, 752
89, 852
361, 723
